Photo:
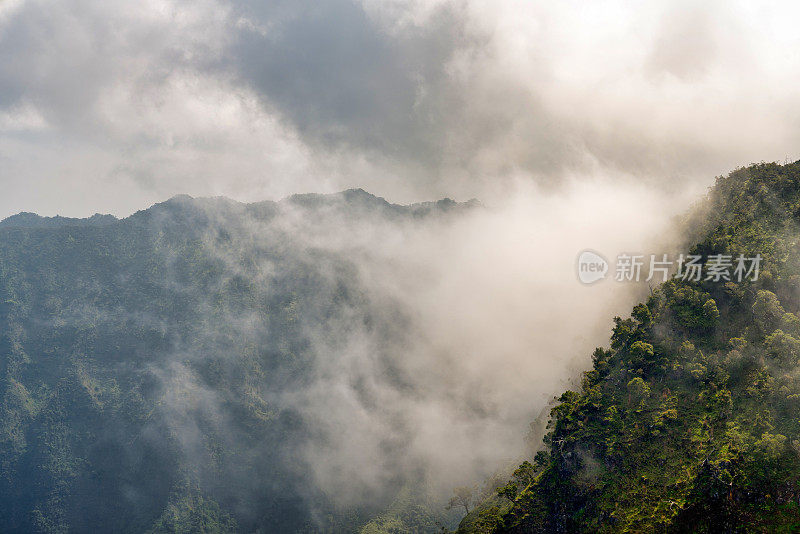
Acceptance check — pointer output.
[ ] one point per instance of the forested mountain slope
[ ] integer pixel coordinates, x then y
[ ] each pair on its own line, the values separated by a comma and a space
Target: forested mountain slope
151, 367
690, 420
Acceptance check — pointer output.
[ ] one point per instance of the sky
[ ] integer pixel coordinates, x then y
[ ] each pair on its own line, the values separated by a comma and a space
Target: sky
112, 106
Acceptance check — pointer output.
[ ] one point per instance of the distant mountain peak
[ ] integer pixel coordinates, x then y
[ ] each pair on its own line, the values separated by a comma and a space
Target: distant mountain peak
26, 219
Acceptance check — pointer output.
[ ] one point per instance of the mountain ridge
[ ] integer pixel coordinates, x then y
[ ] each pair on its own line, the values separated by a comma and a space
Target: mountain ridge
347, 197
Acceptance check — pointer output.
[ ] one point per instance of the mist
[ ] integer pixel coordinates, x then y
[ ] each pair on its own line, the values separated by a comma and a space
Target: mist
463, 327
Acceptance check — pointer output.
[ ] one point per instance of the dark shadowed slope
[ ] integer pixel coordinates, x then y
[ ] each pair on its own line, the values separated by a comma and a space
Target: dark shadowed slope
149, 366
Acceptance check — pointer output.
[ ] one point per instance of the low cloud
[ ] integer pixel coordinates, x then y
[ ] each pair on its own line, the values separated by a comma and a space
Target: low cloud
431, 344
